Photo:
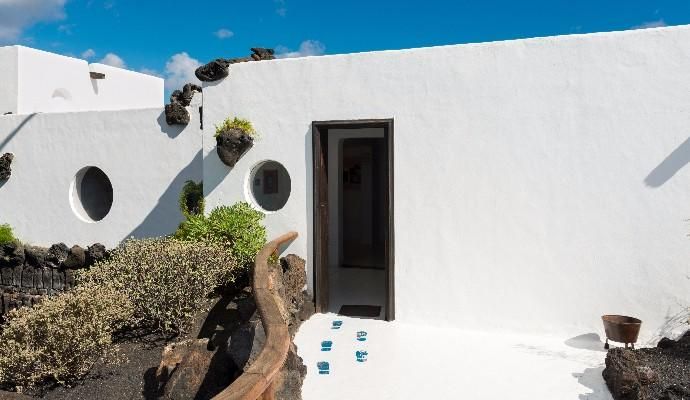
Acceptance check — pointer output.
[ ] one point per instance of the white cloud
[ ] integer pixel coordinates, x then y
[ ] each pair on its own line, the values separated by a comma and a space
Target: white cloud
651, 24
180, 70
17, 15
281, 9
65, 28
88, 53
113, 60
306, 49
224, 33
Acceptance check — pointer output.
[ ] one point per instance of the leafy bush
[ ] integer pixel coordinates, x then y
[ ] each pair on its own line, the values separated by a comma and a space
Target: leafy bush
238, 227
6, 234
166, 280
236, 123
61, 337
192, 198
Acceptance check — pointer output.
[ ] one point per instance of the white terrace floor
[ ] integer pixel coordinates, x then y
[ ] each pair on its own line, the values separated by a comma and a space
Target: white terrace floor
417, 362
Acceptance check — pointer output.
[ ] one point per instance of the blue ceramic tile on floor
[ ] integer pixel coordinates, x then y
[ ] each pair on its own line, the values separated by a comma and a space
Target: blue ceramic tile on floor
324, 367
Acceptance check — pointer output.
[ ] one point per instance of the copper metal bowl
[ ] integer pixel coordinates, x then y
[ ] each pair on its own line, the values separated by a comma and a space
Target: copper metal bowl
622, 329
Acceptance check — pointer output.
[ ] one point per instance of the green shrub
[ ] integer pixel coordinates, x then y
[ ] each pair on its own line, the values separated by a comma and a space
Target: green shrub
238, 227
6, 235
167, 280
236, 123
62, 337
192, 198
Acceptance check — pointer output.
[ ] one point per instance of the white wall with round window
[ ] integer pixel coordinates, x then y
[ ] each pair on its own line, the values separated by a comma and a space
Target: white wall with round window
91, 194
269, 186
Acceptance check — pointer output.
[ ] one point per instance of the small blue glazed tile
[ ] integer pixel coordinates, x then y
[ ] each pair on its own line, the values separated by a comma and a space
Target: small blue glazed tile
326, 345
361, 336
337, 324
361, 355
324, 367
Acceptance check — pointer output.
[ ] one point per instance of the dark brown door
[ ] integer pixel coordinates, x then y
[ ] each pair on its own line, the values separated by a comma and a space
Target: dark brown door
321, 218
321, 294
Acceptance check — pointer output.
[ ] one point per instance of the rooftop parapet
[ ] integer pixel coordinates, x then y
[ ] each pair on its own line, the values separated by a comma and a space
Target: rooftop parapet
38, 81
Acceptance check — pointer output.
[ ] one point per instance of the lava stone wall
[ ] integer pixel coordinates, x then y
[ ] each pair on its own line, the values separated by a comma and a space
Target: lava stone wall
28, 273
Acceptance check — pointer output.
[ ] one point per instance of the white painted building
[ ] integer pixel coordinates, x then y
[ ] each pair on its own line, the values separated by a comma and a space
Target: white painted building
536, 184
62, 124
527, 185
38, 81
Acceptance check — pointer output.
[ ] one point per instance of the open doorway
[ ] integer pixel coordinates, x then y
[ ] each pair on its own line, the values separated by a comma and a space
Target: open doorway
353, 218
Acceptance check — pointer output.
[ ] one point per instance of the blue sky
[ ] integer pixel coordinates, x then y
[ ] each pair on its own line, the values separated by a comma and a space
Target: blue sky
170, 38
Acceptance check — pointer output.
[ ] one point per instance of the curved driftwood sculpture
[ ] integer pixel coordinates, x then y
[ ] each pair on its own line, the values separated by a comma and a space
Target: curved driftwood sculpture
257, 381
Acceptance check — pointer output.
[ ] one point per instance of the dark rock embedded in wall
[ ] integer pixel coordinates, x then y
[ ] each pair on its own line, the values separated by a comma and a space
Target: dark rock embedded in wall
214, 70
6, 274
261, 53
57, 254
294, 277
36, 256
11, 254
76, 258
651, 374
95, 253
219, 68
232, 144
176, 114
6, 166
185, 95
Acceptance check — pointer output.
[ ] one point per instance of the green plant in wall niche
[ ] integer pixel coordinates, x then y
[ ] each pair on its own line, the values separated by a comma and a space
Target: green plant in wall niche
6, 234
236, 123
234, 137
192, 198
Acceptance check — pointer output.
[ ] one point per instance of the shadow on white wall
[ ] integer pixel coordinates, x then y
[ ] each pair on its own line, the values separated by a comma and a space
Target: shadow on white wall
675, 161
159, 221
16, 131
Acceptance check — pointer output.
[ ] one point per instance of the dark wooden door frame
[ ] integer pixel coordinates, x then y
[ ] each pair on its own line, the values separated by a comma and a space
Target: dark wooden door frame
320, 178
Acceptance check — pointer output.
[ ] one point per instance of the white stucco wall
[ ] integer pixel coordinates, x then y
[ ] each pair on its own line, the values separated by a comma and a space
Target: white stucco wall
8, 80
538, 183
146, 160
48, 82
124, 89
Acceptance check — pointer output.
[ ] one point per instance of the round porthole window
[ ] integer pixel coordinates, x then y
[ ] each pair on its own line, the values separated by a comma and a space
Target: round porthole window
91, 194
270, 185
